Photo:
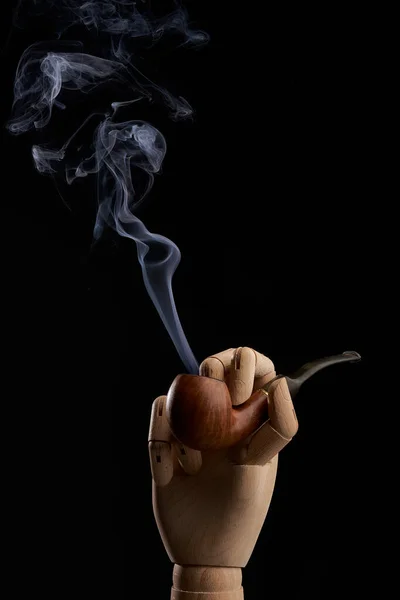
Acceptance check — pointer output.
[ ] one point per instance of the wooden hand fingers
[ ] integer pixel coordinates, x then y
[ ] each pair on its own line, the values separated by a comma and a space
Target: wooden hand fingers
213, 367
241, 369
276, 433
162, 445
240, 379
281, 411
237, 367
160, 450
263, 365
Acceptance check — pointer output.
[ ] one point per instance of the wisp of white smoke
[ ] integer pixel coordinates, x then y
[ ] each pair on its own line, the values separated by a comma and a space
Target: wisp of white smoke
120, 153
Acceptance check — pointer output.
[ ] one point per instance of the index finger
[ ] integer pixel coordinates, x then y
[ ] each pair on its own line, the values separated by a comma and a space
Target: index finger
264, 366
240, 368
241, 375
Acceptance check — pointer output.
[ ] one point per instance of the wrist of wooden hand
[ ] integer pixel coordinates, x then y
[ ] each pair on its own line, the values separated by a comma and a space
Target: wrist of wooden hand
207, 583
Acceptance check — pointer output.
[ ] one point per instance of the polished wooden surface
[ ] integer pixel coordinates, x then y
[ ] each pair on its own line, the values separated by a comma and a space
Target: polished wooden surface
210, 505
201, 415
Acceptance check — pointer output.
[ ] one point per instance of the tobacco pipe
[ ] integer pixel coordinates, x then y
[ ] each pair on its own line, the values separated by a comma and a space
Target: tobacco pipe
200, 413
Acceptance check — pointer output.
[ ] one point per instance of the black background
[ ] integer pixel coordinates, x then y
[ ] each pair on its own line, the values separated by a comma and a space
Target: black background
264, 192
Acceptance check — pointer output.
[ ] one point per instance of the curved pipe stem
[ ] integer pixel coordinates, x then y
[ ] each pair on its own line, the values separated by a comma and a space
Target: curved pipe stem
200, 413
296, 380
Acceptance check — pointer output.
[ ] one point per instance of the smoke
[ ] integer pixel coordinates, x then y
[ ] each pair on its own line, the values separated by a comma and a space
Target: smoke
124, 156
41, 76
123, 20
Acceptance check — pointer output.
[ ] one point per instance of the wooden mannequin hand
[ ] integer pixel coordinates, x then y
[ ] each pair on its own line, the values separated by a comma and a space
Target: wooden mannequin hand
210, 506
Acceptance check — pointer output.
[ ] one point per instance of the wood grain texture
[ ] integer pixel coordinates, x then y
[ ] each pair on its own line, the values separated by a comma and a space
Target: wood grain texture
263, 365
189, 459
206, 583
229, 595
159, 430
261, 447
212, 520
281, 410
241, 375
160, 450
276, 433
200, 412
215, 517
165, 450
